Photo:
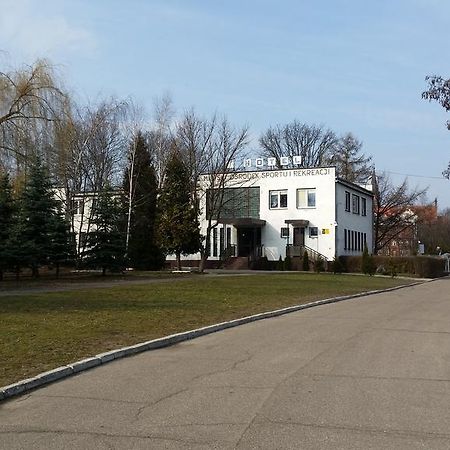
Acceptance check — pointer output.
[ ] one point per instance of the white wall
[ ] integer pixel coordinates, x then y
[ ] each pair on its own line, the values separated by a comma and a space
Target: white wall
351, 221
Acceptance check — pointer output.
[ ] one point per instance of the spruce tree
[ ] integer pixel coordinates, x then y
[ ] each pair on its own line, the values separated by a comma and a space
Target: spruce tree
105, 247
33, 232
178, 223
6, 222
140, 193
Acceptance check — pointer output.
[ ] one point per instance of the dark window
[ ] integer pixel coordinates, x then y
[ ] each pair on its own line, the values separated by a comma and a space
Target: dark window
345, 239
221, 240
237, 202
355, 204
313, 231
214, 243
285, 232
347, 201
278, 199
363, 206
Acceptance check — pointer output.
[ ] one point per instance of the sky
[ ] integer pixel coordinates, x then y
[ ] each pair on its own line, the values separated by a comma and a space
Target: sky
350, 65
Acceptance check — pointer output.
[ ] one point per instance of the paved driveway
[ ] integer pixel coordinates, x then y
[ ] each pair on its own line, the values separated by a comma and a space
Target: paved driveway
369, 373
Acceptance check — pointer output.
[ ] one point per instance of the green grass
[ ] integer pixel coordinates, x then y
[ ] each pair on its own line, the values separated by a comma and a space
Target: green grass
44, 330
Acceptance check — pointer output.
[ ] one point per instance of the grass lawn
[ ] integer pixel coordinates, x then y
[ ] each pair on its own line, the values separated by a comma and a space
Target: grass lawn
41, 331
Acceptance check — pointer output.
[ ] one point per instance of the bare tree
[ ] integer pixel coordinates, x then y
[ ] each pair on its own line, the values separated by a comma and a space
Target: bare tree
95, 157
392, 213
313, 143
351, 164
209, 149
160, 137
30, 100
439, 91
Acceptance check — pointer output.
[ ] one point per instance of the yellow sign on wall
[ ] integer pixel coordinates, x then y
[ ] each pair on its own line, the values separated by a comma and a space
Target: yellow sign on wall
325, 231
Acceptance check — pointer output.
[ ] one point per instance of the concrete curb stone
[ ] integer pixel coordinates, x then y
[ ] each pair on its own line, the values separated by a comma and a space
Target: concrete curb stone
79, 366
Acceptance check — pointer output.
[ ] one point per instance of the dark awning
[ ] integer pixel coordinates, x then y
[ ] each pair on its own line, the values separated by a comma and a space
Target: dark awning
243, 222
297, 222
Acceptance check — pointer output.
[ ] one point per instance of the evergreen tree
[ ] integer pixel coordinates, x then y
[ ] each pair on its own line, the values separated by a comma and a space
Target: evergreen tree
6, 221
305, 261
62, 246
367, 264
105, 243
140, 189
178, 223
34, 231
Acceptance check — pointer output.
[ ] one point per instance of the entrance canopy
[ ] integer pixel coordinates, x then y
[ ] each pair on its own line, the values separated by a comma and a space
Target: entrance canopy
297, 222
243, 222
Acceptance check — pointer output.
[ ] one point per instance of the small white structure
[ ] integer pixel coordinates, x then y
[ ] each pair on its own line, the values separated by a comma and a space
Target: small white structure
285, 212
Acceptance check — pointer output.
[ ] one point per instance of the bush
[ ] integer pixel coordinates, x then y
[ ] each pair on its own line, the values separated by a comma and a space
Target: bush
429, 266
280, 265
319, 265
337, 266
287, 263
305, 263
367, 264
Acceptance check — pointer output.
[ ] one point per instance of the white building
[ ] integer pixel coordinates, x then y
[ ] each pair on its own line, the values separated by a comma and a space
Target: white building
277, 212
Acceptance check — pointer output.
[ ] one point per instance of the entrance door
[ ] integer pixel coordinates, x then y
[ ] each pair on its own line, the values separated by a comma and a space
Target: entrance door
248, 239
299, 236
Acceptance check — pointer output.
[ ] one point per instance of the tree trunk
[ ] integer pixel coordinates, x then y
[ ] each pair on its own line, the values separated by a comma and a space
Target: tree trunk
103, 271
1, 275
178, 260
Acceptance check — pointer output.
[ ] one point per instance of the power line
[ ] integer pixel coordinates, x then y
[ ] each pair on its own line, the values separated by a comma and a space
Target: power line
415, 176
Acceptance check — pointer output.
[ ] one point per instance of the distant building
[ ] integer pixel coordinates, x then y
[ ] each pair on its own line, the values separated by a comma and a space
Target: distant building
406, 242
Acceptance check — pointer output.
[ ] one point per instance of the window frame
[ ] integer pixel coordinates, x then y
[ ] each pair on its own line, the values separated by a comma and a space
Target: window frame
310, 233
308, 191
363, 206
356, 210
348, 202
284, 232
278, 193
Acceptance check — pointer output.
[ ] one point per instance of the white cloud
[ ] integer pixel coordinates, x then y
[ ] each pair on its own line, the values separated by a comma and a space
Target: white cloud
28, 29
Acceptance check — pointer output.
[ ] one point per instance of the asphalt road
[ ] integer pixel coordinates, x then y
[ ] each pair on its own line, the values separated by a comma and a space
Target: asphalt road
368, 373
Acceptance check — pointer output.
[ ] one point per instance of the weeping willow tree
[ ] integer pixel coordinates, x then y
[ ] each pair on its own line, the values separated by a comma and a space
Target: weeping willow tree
31, 102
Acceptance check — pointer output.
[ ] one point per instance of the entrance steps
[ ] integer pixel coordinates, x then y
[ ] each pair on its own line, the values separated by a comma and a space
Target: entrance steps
236, 263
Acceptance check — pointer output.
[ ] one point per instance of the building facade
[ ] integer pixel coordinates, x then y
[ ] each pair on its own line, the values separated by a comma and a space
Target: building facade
279, 213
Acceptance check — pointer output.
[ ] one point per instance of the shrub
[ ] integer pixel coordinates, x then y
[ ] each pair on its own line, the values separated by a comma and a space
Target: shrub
305, 263
337, 266
280, 265
367, 263
287, 263
319, 265
429, 266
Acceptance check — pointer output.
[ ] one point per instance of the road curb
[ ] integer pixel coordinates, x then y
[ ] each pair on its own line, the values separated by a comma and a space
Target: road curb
59, 373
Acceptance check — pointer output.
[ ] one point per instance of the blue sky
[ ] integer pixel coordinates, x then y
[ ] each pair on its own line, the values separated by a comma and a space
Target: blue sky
348, 64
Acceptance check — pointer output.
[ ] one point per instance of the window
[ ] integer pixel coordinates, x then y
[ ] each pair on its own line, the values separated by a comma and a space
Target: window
313, 232
306, 198
363, 206
77, 206
237, 202
284, 232
347, 201
345, 239
214, 242
355, 204
278, 199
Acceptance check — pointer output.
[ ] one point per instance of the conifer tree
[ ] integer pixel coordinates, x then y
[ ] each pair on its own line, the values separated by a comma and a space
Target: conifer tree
6, 221
105, 247
38, 221
178, 223
140, 188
